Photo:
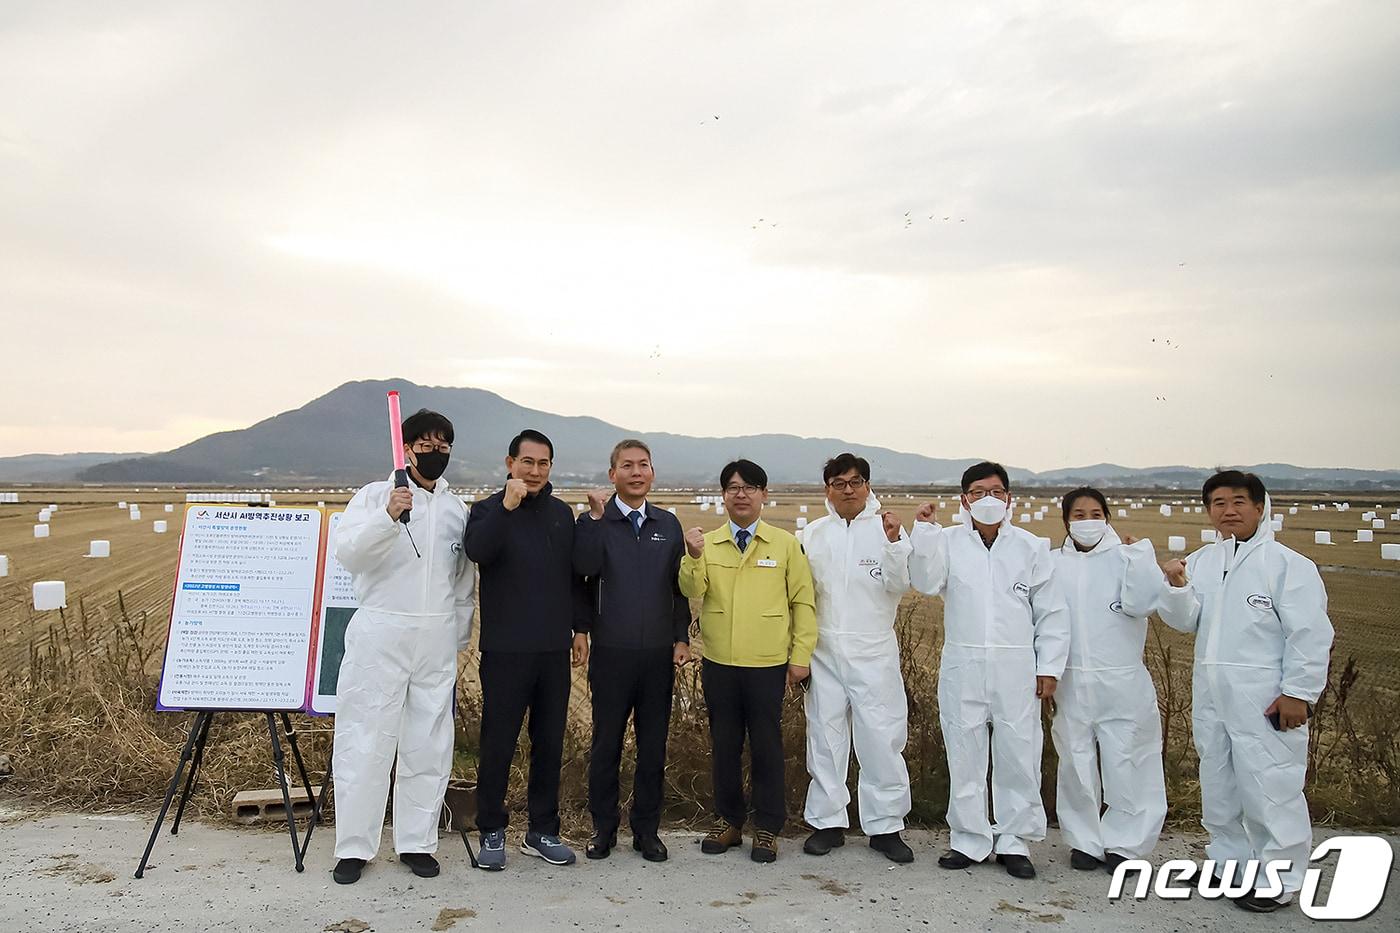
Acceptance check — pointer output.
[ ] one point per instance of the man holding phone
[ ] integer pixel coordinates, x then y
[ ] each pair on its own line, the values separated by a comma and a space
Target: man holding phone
1259, 613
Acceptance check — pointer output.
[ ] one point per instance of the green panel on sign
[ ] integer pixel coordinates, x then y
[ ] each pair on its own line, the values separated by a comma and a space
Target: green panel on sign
332, 648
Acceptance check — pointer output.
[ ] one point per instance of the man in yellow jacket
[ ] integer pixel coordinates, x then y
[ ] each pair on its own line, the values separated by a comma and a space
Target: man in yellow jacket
758, 626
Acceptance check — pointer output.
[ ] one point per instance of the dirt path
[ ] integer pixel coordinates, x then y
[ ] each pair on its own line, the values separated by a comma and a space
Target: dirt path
70, 872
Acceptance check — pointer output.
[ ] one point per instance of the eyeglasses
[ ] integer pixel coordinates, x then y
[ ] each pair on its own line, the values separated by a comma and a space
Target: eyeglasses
974, 494
421, 448
841, 485
530, 463
745, 489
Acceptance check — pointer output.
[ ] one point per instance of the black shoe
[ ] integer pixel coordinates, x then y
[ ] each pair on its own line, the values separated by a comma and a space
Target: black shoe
423, 864
893, 847
347, 870
1017, 866
651, 847
823, 841
1111, 861
954, 859
1080, 860
1260, 905
600, 846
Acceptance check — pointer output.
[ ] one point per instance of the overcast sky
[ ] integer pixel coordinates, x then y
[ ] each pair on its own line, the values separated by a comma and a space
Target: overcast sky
1053, 234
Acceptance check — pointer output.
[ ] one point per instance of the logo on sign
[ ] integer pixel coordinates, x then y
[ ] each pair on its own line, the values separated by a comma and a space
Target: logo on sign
1260, 601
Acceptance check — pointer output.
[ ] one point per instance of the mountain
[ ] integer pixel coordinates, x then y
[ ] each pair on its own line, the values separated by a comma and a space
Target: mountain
53, 468
341, 438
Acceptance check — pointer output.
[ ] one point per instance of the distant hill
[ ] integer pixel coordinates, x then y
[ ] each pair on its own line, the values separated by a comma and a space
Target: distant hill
53, 468
341, 438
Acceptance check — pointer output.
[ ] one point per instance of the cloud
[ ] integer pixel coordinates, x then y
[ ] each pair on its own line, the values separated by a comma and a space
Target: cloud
214, 213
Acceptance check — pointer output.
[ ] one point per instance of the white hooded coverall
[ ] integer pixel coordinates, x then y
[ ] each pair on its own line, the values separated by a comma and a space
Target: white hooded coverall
856, 684
1106, 718
1005, 623
400, 666
1259, 612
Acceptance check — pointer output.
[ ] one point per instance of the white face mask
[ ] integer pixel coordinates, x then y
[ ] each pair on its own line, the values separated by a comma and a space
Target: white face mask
1088, 532
989, 510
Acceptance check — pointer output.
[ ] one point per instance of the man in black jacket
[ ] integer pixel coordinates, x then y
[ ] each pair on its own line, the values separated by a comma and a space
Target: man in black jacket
631, 553
531, 602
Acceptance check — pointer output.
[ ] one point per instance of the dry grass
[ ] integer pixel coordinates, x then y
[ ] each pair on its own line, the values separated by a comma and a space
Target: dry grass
77, 690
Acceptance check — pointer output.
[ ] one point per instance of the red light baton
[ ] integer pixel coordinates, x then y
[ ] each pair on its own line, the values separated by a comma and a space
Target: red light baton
396, 438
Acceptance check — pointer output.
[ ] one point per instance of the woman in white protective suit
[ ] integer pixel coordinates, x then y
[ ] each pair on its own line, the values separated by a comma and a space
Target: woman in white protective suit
860, 566
414, 586
1259, 613
1107, 729
1006, 639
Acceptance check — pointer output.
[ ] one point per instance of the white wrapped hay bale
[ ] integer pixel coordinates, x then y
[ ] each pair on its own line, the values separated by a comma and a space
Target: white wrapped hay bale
1176, 543
1365, 536
1207, 535
41, 531
1322, 537
159, 527
1166, 511
1388, 552
99, 548
49, 595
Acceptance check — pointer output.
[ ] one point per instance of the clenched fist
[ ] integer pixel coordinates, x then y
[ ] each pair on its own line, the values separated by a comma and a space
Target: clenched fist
597, 498
926, 512
1175, 571
516, 491
695, 541
892, 527
399, 500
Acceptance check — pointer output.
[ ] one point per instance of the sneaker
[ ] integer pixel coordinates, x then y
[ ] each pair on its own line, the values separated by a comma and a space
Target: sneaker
722, 838
824, 840
548, 848
765, 846
422, 864
347, 870
493, 851
1080, 860
893, 846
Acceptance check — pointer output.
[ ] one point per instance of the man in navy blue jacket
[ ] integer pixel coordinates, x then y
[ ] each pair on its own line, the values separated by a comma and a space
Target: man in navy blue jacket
532, 602
631, 551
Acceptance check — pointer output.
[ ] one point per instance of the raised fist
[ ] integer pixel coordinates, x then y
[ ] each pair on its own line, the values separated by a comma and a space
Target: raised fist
695, 541
597, 498
892, 527
516, 491
926, 512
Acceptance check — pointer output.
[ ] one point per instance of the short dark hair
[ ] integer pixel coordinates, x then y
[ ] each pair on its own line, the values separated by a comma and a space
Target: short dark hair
1234, 479
530, 434
630, 443
844, 463
1067, 503
748, 471
424, 423
983, 470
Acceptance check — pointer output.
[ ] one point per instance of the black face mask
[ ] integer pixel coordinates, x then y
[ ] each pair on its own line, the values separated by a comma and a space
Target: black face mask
432, 465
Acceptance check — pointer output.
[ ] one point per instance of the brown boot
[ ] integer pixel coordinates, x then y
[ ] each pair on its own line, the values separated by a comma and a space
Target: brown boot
722, 838
765, 847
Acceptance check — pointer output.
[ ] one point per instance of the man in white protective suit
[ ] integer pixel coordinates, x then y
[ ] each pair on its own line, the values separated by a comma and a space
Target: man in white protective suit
1107, 729
414, 585
1005, 643
1259, 613
860, 565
